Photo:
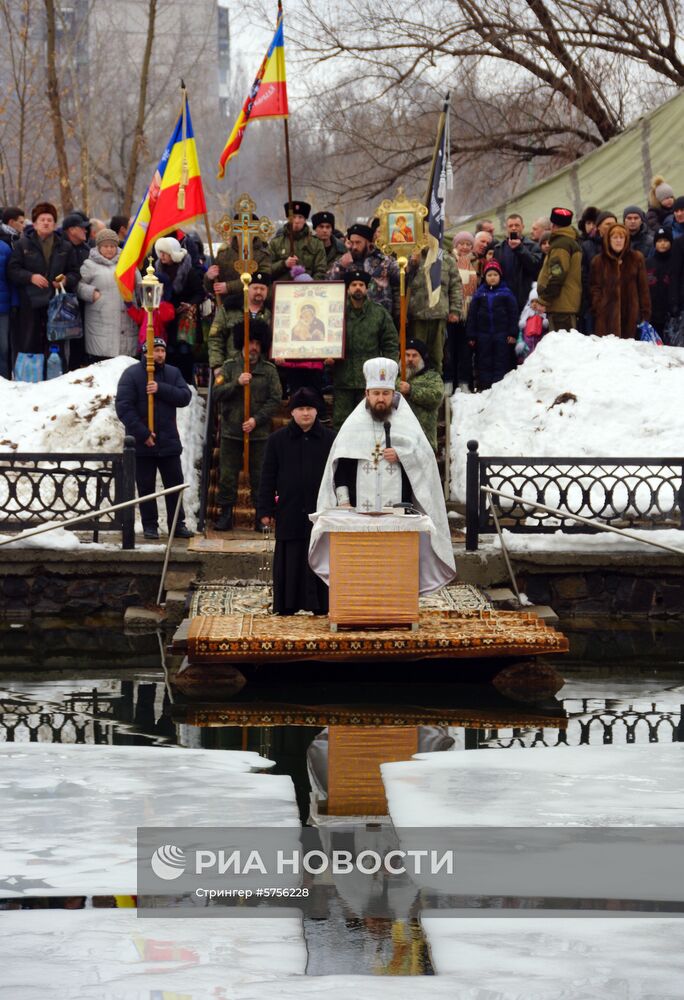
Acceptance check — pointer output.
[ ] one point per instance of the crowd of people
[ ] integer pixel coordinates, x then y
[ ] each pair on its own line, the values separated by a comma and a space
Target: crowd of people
611, 274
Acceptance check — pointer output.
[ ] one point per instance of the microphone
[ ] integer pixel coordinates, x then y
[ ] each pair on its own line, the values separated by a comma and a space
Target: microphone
387, 426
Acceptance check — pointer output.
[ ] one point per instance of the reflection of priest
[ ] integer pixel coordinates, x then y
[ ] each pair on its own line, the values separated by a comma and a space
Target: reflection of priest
382, 458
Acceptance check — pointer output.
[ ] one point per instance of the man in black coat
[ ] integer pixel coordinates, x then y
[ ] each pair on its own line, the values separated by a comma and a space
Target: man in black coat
293, 466
520, 259
38, 258
161, 450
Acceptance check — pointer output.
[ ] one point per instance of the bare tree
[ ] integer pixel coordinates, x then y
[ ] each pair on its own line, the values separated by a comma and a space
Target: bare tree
136, 148
66, 194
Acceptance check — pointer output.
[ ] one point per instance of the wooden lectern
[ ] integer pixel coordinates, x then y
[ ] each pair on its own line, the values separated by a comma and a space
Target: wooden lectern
374, 578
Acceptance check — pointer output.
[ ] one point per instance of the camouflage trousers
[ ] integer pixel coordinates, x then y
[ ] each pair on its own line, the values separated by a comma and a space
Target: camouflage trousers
231, 467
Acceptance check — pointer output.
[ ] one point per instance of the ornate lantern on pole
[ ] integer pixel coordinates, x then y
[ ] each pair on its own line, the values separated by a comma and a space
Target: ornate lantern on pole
151, 293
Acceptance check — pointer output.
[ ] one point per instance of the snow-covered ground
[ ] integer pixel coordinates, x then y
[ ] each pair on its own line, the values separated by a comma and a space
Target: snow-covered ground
70, 813
75, 412
627, 402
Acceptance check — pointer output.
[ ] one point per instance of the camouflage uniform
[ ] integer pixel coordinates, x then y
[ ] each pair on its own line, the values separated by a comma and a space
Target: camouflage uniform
384, 270
226, 257
220, 341
427, 390
265, 395
369, 333
429, 323
307, 247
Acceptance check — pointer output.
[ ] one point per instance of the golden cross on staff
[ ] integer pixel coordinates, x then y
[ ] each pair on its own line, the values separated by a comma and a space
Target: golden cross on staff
244, 227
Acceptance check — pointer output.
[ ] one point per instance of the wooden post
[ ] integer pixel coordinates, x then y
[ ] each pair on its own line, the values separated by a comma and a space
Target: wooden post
402, 262
246, 278
289, 185
150, 368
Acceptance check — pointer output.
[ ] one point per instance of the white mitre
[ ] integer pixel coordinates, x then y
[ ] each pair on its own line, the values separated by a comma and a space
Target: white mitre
380, 373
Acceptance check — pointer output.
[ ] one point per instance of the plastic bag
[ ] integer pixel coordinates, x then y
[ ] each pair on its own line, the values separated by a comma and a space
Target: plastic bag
673, 334
29, 367
648, 335
64, 317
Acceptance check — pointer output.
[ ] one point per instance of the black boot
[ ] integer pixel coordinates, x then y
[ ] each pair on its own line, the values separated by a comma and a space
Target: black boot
225, 521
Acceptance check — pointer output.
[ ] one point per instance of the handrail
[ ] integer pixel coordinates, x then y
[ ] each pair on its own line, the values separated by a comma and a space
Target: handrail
207, 448
583, 520
43, 529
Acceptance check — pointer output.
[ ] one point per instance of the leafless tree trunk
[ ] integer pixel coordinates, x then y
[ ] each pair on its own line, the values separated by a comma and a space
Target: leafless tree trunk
138, 135
66, 194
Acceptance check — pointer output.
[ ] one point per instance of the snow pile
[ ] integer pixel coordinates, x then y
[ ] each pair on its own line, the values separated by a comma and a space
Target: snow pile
576, 396
75, 412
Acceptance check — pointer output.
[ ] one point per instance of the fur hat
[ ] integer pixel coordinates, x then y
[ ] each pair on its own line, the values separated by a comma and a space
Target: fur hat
358, 229
357, 274
463, 236
305, 397
258, 330
260, 278
560, 216
414, 344
298, 208
590, 214
322, 217
171, 246
43, 208
380, 373
106, 236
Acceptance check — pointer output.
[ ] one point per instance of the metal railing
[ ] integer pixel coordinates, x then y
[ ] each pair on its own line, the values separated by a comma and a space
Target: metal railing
36, 485
618, 492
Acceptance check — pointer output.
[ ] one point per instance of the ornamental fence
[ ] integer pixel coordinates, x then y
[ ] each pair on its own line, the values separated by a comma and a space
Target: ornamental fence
621, 492
36, 487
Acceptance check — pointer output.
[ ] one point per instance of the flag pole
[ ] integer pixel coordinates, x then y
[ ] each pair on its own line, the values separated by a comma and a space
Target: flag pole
438, 140
289, 186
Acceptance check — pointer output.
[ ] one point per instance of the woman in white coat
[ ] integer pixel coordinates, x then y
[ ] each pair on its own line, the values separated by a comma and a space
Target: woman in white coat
109, 331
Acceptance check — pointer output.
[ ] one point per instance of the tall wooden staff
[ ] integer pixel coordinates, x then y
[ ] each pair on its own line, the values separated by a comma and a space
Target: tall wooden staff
246, 279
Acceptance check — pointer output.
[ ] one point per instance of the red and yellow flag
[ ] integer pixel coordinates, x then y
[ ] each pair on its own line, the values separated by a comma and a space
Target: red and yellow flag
266, 99
174, 197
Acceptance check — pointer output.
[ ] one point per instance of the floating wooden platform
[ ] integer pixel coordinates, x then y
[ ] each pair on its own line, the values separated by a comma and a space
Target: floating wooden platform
262, 639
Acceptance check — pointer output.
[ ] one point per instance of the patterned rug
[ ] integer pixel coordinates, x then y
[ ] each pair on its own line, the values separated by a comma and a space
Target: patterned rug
230, 597
240, 638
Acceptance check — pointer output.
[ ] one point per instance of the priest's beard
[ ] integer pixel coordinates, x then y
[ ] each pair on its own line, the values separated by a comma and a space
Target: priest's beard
380, 411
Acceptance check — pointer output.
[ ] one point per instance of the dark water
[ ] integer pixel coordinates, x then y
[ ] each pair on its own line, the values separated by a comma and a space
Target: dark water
98, 685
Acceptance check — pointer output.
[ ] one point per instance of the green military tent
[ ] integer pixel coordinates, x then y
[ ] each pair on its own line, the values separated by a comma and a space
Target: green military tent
614, 175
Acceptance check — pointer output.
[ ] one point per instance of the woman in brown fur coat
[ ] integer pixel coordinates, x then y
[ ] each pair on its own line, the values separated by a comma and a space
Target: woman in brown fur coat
618, 284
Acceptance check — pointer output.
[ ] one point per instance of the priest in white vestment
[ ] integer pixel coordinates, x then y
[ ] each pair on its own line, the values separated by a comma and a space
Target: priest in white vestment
381, 459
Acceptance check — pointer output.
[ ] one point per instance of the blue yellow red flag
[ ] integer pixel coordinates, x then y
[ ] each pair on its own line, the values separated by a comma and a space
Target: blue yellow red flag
175, 196
267, 97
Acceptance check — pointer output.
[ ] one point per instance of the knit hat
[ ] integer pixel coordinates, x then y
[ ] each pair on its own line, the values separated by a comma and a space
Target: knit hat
463, 236
560, 216
106, 236
635, 210
663, 191
678, 204
358, 229
305, 397
492, 265
43, 208
602, 216
300, 273
380, 373
664, 233
171, 246
158, 342
357, 274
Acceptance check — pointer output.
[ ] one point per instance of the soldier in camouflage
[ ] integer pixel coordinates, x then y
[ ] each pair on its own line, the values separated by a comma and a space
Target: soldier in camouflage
423, 389
426, 322
381, 269
324, 227
369, 333
306, 250
220, 341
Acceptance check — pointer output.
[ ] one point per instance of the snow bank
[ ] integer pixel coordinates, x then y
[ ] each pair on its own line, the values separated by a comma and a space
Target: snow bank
75, 412
628, 401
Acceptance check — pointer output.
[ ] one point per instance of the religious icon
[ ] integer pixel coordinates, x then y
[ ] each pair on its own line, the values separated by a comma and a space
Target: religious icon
401, 227
308, 320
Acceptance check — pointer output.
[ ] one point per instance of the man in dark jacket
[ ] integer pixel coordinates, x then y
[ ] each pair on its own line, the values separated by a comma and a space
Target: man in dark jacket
640, 238
157, 451
37, 260
293, 466
265, 396
324, 228
520, 259
75, 229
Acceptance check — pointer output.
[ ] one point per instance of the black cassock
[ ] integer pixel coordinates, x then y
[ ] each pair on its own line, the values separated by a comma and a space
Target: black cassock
292, 471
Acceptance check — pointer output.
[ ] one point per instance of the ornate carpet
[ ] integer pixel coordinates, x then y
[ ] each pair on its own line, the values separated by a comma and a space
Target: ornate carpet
259, 638
230, 597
